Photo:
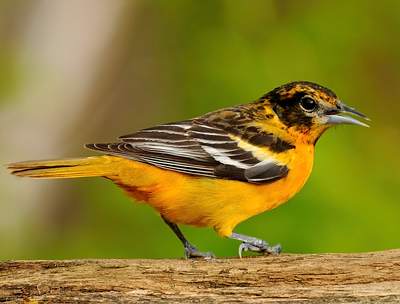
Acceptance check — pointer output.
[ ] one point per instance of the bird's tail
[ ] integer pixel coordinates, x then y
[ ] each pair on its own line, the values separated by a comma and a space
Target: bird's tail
64, 168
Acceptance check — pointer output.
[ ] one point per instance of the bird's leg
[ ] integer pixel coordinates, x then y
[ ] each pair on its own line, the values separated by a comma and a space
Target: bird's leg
250, 243
190, 250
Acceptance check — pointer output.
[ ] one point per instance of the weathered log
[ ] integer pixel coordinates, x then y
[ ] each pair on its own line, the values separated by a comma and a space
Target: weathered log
288, 278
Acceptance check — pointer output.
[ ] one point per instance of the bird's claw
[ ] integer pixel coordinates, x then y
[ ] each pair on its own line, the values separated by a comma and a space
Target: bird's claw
192, 252
259, 246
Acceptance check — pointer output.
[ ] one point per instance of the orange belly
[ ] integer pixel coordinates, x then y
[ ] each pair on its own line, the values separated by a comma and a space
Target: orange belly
217, 203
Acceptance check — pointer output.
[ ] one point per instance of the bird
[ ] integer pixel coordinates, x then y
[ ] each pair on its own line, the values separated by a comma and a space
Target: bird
219, 169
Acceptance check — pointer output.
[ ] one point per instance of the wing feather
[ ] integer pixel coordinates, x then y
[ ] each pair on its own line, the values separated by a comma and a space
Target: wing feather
197, 148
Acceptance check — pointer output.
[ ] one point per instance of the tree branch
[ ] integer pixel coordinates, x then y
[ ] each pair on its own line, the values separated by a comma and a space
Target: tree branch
301, 278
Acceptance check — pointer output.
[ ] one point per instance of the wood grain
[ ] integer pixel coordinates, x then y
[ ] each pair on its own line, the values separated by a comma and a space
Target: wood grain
288, 278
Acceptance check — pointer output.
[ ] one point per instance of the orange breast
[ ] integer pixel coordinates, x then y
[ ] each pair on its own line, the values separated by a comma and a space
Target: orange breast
217, 203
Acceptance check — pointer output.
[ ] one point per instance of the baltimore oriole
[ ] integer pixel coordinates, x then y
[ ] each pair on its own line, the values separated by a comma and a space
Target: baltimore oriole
218, 169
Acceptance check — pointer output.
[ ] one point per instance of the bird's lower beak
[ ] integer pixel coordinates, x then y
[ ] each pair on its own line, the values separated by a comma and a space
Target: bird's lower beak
337, 117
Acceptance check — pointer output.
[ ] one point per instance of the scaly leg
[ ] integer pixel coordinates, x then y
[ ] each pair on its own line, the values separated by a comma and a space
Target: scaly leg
190, 250
250, 243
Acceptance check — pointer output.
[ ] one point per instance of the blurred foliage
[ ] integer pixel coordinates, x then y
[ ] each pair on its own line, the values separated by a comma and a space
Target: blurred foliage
221, 53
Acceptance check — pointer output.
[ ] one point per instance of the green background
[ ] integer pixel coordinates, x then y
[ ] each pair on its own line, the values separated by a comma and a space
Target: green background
172, 60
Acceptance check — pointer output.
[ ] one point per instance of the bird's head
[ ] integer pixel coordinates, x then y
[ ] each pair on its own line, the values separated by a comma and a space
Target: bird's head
308, 108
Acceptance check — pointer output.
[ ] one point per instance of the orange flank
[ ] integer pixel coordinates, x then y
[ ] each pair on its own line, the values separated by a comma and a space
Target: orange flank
207, 202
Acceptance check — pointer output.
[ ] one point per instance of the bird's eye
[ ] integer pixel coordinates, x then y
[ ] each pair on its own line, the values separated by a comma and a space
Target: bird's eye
308, 104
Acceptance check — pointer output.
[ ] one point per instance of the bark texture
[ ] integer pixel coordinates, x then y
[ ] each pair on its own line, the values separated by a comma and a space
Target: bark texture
288, 278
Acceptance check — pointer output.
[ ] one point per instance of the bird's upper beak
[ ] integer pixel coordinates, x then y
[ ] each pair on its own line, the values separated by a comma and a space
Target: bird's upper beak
336, 117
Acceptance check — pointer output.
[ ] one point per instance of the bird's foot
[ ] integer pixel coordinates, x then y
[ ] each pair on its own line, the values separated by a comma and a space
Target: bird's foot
260, 246
192, 252
250, 243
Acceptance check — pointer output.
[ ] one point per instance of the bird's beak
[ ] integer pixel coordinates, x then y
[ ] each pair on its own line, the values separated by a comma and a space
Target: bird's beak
337, 117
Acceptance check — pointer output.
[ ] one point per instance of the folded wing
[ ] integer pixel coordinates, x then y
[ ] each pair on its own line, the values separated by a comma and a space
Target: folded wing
195, 147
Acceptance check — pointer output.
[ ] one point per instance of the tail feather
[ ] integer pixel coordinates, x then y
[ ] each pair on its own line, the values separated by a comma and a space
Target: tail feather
63, 168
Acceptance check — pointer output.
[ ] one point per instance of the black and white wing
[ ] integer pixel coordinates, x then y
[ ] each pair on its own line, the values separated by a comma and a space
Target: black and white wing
198, 148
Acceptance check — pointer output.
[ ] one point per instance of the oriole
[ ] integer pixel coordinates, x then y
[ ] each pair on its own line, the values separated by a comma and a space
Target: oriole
218, 169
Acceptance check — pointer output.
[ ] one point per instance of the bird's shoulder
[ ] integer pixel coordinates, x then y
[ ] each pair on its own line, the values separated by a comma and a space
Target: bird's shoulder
253, 125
